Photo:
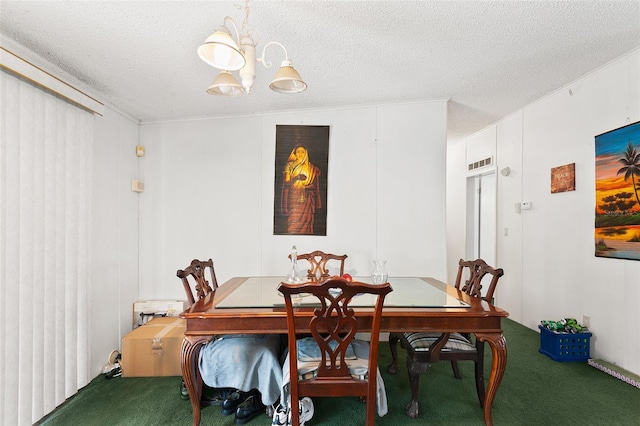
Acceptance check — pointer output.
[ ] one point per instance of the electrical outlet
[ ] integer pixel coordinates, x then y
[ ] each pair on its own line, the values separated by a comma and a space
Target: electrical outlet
586, 321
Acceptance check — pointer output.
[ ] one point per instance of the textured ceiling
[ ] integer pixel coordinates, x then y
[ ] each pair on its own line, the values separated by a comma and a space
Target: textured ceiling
489, 58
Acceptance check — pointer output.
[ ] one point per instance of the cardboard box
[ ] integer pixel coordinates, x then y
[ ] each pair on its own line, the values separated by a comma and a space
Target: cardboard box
145, 310
153, 349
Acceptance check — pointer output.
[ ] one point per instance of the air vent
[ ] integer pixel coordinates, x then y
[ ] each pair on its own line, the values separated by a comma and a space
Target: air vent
481, 163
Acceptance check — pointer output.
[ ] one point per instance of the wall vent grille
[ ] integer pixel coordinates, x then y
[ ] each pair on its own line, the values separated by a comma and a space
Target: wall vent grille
481, 163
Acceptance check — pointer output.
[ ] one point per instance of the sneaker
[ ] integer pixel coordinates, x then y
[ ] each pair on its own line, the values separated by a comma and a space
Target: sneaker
306, 410
184, 393
115, 372
282, 416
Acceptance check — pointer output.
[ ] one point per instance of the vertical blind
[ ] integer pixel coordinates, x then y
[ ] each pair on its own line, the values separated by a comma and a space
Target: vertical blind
46, 155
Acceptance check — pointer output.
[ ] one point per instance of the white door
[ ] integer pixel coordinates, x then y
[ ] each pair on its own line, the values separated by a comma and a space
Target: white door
481, 218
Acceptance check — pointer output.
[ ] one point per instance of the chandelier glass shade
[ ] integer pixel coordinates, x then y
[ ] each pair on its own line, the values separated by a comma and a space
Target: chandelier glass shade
221, 51
287, 80
225, 84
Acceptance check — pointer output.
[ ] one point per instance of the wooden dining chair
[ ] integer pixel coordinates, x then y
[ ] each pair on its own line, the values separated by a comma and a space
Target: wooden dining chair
333, 325
425, 348
198, 279
318, 270
224, 365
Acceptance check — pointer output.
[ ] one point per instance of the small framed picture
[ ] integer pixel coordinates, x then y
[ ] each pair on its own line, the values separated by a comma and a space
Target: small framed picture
563, 178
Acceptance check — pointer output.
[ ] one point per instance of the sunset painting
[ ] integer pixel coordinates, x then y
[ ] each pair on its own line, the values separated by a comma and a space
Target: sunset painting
617, 213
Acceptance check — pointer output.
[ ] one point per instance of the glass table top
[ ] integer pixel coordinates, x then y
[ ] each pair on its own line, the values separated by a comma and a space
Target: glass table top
261, 292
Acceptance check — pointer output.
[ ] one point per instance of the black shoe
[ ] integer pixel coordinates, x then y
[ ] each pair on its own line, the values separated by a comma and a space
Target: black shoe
232, 401
250, 408
214, 396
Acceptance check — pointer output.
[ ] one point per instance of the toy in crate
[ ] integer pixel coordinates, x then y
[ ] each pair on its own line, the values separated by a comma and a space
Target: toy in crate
564, 340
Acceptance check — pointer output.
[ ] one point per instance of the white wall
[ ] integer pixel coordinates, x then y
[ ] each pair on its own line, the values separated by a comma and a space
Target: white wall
114, 285
509, 247
548, 256
456, 195
209, 193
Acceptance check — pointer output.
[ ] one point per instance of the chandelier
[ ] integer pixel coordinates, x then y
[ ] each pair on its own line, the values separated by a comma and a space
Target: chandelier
221, 51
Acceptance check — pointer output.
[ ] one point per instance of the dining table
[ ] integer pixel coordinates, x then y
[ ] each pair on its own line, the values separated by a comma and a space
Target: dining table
253, 305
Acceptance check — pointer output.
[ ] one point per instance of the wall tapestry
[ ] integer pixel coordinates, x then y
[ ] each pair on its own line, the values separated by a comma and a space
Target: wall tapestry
300, 193
617, 224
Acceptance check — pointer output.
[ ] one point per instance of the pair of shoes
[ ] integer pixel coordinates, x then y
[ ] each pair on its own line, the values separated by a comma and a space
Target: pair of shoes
250, 408
282, 416
234, 399
214, 396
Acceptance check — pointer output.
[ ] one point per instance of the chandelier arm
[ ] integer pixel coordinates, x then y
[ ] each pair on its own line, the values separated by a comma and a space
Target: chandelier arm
268, 64
233, 23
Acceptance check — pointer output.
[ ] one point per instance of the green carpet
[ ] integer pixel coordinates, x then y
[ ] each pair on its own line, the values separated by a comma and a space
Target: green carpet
535, 391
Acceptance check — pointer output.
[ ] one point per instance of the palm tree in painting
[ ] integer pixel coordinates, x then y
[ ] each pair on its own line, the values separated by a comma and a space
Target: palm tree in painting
631, 169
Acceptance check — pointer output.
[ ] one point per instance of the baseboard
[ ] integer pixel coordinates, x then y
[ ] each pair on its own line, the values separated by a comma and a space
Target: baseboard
616, 372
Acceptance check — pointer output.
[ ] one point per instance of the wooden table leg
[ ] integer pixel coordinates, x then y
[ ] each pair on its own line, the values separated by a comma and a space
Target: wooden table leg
499, 362
190, 373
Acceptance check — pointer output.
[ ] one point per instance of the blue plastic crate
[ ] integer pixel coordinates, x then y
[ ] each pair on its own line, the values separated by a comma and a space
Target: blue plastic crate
564, 346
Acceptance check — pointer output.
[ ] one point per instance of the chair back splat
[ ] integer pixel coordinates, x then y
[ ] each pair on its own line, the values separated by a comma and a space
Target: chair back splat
194, 278
333, 325
476, 271
318, 270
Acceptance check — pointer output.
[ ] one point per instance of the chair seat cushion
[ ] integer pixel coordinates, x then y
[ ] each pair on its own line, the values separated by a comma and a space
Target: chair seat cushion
421, 341
358, 364
358, 369
308, 349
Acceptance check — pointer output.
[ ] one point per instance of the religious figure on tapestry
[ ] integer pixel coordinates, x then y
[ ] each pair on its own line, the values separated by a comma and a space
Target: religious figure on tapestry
300, 183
